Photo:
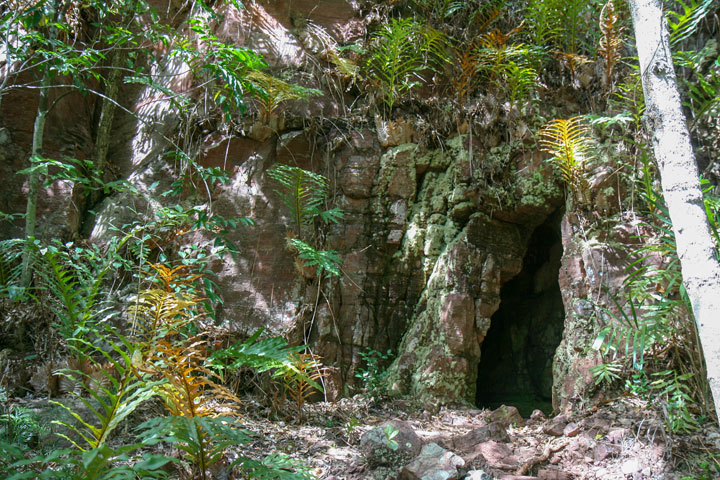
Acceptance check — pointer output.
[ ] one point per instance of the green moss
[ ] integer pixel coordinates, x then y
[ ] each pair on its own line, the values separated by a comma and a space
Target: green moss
534, 190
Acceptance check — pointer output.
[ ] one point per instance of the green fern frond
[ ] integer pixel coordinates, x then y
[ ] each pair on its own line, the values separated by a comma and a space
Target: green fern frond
10, 266
398, 52
303, 192
684, 24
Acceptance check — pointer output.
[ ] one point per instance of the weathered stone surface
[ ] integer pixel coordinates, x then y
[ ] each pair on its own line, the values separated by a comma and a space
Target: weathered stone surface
477, 475
494, 454
374, 444
505, 415
433, 463
427, 244
553, 474
556, 426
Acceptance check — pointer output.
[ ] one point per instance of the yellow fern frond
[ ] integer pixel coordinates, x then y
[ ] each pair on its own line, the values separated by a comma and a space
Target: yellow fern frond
567, 142
192, 390
157, 313
171, 278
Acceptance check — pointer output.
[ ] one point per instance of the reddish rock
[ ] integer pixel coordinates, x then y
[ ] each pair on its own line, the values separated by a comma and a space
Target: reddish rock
553, 474
571, 429
505, 415
495, 455
604, 450
556, 426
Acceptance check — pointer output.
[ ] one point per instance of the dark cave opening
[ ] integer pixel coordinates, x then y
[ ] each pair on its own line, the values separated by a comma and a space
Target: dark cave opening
518, 350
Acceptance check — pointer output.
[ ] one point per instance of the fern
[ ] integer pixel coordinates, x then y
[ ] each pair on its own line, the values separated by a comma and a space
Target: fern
203, 439
398, 52
520, 82
190, 388
303, 193
466, 67
275, 467
271, 92
261, 355
158, 313
302, 377
73, 277
324, 260
684, 24
11, 267
567, 142
610, 41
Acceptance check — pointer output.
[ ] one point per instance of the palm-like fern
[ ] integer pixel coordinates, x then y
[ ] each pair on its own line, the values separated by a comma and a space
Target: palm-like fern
567, 142
303, 193
399, 51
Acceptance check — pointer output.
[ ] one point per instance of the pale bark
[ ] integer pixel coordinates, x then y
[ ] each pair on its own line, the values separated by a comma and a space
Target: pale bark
34, 178
680, 181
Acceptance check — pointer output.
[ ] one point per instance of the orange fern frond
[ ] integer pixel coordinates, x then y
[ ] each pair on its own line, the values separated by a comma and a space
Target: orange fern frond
571, 61
610, 41
175, 277
466, 67
191, 389
485, 19
301, 380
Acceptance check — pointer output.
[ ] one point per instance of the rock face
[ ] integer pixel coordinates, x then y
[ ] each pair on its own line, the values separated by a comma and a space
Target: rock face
429, 237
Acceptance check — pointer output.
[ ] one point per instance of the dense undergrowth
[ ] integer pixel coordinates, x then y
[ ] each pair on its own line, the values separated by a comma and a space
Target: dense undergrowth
133, 321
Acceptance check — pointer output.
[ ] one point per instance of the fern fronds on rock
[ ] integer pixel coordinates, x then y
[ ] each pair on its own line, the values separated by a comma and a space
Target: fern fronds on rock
271, 92
398, 52
567, 142
303, 193
466, 68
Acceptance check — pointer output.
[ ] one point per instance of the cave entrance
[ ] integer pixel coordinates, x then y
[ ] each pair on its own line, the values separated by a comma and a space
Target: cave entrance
518, 350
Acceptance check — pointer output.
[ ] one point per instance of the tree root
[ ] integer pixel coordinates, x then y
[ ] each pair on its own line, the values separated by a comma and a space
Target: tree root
547, 451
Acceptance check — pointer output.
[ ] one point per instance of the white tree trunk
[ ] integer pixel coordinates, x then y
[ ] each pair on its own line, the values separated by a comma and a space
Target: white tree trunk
680, 181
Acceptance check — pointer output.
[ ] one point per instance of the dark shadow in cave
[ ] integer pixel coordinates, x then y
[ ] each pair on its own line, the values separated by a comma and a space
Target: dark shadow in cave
517, 353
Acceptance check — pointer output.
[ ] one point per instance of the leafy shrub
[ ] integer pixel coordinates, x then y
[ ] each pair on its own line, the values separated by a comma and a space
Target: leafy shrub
373, 374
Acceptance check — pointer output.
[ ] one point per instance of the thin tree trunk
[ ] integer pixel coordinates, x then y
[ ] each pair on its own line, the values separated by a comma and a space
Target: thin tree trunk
34, 179
680, 181
107, 113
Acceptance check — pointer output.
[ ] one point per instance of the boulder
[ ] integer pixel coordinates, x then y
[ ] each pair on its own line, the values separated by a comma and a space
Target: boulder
377, 446
433, 463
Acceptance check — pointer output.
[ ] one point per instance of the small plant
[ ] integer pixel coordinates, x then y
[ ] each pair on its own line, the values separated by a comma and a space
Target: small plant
17, 424
674, 390
304, 194
300, 380
710, 468
390, 433
374, 373
606, 372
